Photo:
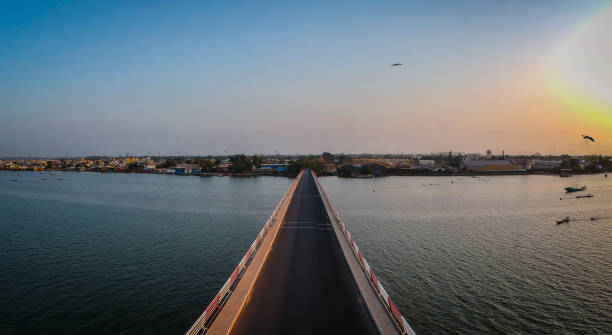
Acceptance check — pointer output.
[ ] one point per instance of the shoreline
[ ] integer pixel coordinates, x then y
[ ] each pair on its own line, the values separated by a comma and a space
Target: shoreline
253, 175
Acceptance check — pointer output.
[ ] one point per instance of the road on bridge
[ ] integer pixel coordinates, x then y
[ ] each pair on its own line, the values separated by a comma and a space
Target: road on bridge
305, 286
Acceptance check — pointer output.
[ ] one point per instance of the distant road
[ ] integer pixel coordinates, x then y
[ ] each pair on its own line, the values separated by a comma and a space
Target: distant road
305, 286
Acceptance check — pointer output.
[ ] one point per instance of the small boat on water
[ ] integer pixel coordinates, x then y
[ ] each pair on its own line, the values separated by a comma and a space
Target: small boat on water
584, 196
574, 189
566, 220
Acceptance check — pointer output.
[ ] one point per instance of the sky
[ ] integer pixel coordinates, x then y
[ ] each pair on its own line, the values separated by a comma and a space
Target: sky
206, 77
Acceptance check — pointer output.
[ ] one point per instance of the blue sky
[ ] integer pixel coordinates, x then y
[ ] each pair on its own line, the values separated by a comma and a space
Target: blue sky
110, 77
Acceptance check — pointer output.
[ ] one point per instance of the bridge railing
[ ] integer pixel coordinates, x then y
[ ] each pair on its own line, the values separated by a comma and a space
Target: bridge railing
392, 309
206, 319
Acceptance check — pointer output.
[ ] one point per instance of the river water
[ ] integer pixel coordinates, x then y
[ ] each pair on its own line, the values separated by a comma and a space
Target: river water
121, 253
485, 255
131, 253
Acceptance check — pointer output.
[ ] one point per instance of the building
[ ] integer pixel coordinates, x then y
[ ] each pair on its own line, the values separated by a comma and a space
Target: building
349, 170
185, 169
490, 166
472, 157
225, 166
499, 168
540, 165
378, 170
278, 167
427, 162
576, 162
404, 164
329, 170
272, 169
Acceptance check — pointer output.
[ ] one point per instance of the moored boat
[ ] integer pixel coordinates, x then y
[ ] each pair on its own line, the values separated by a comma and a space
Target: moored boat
574, 189
585, 196
567, 219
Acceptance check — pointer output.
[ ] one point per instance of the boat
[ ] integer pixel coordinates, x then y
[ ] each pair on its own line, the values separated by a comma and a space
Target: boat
574, 189
566, 220
584, 196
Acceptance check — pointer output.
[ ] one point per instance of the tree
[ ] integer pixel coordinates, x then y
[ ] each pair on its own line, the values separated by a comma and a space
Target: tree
329, 158
344, 172
317, 164
256, 161
565, 164
168, 163
365, 170
342, 159
240, 163
206, 164
295, 167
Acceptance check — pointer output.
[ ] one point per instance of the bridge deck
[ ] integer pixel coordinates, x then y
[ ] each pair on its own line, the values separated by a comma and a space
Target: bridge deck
305, 285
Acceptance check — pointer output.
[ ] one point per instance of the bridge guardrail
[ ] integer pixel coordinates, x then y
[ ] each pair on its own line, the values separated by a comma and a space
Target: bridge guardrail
392, 309
206, 319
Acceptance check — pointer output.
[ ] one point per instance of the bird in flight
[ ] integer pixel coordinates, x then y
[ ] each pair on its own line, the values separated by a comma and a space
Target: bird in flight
396, 64
587, 137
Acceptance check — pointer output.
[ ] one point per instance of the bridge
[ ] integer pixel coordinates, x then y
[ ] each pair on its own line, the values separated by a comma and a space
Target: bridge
303, 274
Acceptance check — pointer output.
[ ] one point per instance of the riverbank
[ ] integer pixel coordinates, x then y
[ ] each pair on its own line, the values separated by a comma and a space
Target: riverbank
413, 173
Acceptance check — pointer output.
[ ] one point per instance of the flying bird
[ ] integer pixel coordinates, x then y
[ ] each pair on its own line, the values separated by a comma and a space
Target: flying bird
396, 64
587, 137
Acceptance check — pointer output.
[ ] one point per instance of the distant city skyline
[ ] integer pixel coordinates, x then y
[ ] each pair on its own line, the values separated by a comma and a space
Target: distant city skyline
482, 155
108, 78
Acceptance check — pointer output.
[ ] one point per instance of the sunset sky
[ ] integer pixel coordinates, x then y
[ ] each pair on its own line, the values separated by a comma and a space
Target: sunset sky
112, 77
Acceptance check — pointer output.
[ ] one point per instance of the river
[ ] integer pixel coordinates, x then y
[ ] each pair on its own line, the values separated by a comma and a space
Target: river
133, 253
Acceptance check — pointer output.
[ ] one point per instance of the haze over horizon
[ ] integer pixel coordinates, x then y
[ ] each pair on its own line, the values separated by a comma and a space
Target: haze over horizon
108, 78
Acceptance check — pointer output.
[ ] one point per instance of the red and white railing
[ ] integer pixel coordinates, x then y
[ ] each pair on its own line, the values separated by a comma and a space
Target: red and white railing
397, 316
205, 320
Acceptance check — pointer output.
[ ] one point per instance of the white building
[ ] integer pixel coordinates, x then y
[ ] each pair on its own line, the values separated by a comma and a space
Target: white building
426, 162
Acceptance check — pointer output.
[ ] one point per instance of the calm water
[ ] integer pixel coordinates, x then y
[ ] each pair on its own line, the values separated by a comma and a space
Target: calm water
485, 255
117, 253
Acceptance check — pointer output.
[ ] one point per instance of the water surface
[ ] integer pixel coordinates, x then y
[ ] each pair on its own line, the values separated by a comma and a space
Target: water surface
130, 253
484, 255
121, 253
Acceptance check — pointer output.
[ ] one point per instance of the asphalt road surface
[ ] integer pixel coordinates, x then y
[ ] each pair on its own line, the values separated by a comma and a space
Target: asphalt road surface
305, 286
